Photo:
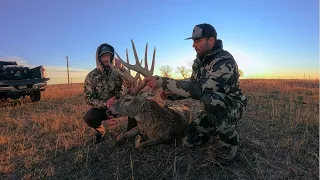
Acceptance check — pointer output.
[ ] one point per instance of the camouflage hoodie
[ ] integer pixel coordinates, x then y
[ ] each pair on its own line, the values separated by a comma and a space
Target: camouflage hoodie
102, 84
216, 72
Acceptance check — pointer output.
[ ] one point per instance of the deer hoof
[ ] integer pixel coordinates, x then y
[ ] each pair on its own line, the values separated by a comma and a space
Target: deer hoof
119, 138
138, 145
139, 139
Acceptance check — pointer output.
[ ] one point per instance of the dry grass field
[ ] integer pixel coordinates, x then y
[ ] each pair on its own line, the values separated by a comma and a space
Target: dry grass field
49, 140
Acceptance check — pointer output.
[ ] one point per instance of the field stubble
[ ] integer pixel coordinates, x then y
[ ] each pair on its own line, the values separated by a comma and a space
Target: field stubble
279, 139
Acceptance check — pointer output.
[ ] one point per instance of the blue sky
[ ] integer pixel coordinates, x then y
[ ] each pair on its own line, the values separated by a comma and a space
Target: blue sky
267, 38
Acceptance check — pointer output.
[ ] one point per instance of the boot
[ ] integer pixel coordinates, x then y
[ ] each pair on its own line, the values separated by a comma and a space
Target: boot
100, 134
225, 155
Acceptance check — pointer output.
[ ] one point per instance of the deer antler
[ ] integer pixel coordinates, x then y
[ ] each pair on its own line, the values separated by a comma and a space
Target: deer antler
138, 68
126, 74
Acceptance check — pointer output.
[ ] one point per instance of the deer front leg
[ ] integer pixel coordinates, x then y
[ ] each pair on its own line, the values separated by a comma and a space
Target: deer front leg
147, 143
131, 133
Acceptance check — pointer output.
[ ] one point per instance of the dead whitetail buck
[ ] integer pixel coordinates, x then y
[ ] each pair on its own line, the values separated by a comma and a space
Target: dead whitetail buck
156, 123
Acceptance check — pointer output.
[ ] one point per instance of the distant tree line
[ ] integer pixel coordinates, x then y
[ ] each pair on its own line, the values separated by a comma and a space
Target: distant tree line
166, 71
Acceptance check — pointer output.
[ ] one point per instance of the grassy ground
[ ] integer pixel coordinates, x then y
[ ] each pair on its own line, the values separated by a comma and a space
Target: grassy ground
48, 139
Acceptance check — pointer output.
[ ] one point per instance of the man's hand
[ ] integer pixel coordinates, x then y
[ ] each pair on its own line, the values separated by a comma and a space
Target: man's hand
151, 82
110, 102
118, 64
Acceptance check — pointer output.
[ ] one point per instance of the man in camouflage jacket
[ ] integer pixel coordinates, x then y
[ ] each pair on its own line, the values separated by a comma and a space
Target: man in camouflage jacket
215, 82
102, 87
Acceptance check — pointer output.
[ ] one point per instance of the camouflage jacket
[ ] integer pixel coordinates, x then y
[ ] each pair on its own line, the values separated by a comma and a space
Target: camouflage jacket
102, 84
99, 87
216, 72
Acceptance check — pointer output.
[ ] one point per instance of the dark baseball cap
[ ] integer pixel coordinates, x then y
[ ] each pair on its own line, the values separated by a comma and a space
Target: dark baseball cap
203, 30
105, 49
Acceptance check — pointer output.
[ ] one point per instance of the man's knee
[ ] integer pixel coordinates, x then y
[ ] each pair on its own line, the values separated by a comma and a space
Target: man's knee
93, 117
223, 107
215, 104
198, 130
214, 99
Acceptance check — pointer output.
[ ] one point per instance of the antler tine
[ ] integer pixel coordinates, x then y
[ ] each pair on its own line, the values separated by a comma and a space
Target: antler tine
138, 85
135, 54
127, 74
146, 60
136, 79
153, 60
129, 66
146, 66
146, 57
128, 60
137, 67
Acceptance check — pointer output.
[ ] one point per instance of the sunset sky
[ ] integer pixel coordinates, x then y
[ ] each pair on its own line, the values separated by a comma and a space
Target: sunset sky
267, 37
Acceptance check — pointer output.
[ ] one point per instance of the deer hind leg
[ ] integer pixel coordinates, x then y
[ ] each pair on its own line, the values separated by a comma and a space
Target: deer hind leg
147, 143
131, 133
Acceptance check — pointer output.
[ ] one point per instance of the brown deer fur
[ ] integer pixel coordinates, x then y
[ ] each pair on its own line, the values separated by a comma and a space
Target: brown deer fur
156, 122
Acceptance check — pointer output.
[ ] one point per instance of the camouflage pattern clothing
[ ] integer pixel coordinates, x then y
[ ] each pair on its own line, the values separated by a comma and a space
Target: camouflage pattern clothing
101, 84
215, 82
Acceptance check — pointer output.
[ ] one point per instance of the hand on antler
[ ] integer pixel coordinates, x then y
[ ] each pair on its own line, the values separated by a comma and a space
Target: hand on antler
151, 82
118, 64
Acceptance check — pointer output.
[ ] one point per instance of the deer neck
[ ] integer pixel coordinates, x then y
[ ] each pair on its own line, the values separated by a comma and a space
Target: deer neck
143, 110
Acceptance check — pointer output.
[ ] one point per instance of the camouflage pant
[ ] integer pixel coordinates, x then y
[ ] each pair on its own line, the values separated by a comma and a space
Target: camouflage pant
94, 117
219, 116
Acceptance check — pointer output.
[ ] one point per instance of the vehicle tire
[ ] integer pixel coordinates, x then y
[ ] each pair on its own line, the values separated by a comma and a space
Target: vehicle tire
35, 96
3, 99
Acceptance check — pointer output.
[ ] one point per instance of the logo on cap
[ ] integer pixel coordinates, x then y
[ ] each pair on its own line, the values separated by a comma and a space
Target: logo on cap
105, 49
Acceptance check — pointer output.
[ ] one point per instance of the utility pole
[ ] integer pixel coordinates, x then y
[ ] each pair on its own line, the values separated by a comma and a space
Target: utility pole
68, 69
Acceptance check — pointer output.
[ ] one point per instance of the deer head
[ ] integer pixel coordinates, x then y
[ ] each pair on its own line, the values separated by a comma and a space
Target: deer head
132, 101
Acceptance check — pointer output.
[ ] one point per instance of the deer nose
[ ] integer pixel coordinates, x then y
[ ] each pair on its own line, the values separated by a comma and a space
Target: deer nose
111, 113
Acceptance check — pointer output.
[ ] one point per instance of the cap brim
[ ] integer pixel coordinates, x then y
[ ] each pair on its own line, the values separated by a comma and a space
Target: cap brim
105, 52
188, 38
194, 38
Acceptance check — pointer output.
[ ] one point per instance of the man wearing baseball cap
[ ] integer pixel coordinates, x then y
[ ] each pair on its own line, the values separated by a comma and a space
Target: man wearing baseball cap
203, 30
102, 87
215, 83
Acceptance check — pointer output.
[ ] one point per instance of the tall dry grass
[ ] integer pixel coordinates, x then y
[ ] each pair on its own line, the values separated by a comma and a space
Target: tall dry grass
48, 139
